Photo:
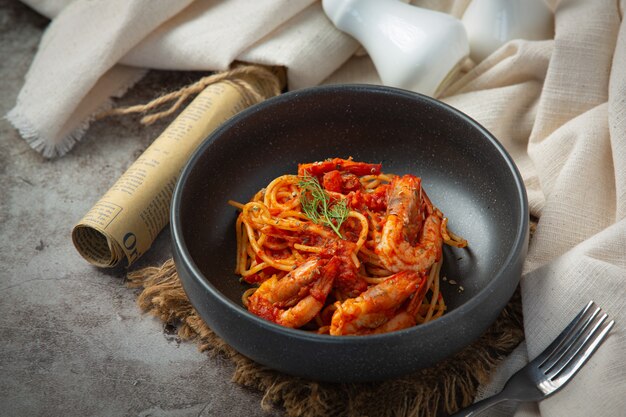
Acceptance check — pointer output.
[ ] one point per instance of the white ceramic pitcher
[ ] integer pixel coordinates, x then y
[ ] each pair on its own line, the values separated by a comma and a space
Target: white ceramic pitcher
412, 47
492, 23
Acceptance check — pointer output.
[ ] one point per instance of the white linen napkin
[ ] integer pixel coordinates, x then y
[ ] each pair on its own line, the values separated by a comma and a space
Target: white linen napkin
558, 106
93, 51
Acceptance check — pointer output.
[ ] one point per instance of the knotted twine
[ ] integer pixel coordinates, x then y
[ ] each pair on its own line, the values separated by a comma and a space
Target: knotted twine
232, 76
436, 391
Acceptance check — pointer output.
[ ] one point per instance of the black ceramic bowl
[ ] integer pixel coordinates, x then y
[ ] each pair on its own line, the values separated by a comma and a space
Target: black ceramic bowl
466, 172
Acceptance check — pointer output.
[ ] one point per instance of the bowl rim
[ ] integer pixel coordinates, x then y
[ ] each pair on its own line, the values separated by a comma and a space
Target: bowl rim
183, 253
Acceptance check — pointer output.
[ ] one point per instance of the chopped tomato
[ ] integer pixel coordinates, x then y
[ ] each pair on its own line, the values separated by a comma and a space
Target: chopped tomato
347, 279
332, 181
375, 200
340, 182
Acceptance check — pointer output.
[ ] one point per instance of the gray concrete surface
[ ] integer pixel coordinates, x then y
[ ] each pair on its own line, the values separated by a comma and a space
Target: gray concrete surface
72, 340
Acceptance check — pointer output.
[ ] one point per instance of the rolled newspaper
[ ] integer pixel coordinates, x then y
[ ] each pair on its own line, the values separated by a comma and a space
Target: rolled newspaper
127, 219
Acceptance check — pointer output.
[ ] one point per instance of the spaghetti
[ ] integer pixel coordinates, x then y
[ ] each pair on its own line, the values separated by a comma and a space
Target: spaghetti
342, 248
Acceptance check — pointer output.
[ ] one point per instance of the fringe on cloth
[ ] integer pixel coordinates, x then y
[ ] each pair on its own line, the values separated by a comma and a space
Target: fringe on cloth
436, 391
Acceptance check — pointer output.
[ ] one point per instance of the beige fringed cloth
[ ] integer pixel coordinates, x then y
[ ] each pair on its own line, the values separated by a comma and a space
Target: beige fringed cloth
558, 106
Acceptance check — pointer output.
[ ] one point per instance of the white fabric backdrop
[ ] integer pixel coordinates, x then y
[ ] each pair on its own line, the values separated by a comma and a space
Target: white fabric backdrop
558, 106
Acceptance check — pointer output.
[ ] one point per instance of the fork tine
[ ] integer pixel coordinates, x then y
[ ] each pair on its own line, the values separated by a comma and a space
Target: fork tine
585, 333
574, 366
558, 342
576, 332
575, 346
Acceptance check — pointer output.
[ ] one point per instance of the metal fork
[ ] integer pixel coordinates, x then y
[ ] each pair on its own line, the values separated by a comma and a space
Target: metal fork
556, 365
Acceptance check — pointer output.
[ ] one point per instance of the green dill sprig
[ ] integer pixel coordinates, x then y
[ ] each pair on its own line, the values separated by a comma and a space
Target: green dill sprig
318, 206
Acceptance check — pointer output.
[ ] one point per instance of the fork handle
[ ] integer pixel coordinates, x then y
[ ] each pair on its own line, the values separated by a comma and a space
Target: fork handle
481, 405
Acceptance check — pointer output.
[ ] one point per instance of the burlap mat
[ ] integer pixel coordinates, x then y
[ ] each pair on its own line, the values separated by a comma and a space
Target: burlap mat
435, 391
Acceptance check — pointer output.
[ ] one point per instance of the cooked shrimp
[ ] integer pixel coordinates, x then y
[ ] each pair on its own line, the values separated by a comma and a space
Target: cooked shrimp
295, 299
411, 236
380, 308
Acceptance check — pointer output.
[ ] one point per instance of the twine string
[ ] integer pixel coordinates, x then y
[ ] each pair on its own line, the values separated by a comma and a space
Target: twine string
232, 76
